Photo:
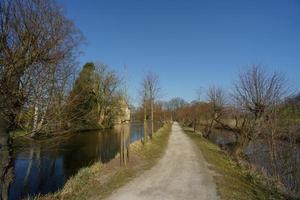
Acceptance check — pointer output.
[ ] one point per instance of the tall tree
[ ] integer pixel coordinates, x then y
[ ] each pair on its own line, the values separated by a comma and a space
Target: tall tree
82, 100
36, 42
217, 100
95, 99
109, 95
144, 93
258, 94
150, 91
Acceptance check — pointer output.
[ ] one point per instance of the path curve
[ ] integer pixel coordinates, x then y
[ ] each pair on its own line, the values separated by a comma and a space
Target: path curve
181, 173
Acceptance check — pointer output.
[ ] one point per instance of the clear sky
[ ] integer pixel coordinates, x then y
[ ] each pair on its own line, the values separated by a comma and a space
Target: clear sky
189, 43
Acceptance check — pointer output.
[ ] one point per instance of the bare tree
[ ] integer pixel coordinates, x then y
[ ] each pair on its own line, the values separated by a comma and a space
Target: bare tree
109, 94
256, 91
36, 41
217, 99
144, 94
174, 105
258, 94
151, 91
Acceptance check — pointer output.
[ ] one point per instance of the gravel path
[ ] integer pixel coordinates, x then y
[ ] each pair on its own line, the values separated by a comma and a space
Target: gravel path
181, 173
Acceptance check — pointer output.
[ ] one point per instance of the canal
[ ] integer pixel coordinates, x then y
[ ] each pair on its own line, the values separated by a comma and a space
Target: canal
30, 167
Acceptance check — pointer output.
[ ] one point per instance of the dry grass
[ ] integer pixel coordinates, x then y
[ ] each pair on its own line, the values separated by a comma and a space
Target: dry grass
234, 182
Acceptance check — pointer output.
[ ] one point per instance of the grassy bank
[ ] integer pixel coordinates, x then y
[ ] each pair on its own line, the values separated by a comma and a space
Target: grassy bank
234, 182
100, 180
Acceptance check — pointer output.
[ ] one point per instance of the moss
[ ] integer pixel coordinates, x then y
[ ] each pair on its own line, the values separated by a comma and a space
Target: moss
234, 182
100, 180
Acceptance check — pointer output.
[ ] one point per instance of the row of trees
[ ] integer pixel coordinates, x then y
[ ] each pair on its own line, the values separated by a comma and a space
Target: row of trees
38, 50
257, 98
259, 107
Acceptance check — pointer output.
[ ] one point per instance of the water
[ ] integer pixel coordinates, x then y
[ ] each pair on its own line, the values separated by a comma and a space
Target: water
288, 161
288, 158
31, 167
222, 137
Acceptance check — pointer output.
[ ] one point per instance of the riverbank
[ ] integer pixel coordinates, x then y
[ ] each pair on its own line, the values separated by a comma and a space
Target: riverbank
99, 180
234, 181
181, 174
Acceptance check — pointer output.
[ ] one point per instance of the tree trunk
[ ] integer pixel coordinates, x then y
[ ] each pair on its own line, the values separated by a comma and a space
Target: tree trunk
40, 124
209, 128
152, 118
121, 148
6, 165
13, 95
145, 122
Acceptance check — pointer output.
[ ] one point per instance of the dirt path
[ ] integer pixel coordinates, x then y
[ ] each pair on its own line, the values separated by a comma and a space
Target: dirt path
182, 173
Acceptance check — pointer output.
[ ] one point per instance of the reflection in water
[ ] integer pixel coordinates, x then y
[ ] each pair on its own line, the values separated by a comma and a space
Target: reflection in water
124, 142
222, 137
32, 167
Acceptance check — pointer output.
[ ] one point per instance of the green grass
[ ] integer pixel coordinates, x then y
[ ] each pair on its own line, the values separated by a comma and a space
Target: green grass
234, 182
99, 180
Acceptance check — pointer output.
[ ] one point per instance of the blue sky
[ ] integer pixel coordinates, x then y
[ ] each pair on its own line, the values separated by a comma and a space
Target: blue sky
189, 43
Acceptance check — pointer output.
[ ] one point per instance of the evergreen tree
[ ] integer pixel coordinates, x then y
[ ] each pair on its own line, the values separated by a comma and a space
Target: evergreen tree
95, 100
82, 101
